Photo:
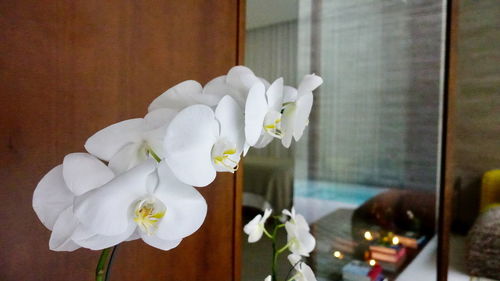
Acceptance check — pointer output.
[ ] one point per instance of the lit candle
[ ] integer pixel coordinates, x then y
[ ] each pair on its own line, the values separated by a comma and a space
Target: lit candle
395, 240
338, 255
368, 235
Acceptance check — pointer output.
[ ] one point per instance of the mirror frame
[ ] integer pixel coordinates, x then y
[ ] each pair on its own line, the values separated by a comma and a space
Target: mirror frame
445, 192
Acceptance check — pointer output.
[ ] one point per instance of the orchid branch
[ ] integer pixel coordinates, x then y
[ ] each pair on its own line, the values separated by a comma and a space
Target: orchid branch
100, 271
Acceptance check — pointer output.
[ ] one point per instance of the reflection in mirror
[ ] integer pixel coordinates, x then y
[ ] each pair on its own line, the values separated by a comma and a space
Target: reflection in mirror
474, 241
365, 173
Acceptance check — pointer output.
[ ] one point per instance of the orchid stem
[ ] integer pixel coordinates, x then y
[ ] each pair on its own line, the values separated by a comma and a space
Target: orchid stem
273, 267
154, 155
283, 249
104, 264
267, 233
100, 270
276, 253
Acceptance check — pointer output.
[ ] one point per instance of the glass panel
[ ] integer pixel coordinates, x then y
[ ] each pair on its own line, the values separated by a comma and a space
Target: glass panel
474, 238
366, 169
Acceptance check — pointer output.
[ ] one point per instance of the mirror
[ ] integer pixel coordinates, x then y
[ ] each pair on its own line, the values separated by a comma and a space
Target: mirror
365, 174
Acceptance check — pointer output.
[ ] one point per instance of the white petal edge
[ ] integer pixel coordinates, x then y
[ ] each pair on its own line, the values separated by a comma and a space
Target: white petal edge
107, 210
302, 111
178, 97
60, 239
186, 208
309, 83
83, 172
51, 197
275, 95
255, 112
287, 125
159, 117
99, 242
159, 243
188, 145
231, 120
108, 141
128, 157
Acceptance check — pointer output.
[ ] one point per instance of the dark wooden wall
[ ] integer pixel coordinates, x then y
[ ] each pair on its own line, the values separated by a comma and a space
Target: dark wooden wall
70, 68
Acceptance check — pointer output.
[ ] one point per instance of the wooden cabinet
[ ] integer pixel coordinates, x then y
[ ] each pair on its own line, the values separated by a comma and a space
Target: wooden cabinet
70, 68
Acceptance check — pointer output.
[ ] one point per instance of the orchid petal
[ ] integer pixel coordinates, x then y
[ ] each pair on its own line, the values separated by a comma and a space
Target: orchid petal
99, 242
287, 125
159, 243
303, 241
83, 172
60, 239
275, 95
127, 157
253, 229
267, 214
218, 87
188, 144
246, 147
309, 83
51, 197
154, 140
231, 119
307, 272
255, 113
307, 241
303, 109
160, 117
265, 82
241, 78
186, 208
108, 141
263, 141
289, 94
135, 235
106, 210
181, 96
300, 221
294, 259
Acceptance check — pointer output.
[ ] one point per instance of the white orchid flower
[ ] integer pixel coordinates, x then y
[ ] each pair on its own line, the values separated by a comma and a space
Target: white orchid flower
183, 95
302, 271
128, 143
297, 106
200, 142
300, 240
53, 201
268, 278
148, 202
263, 113
236, 84
256, 227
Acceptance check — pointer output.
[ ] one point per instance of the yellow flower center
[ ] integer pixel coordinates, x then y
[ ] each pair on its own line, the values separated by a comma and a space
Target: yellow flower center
224, 160
148, 214
224, 155
272, 124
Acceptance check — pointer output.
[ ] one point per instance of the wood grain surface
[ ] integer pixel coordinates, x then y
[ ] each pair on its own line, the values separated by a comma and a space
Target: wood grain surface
70, 68
448, 141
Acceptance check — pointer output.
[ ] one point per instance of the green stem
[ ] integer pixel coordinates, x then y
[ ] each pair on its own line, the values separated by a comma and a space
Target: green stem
155, 156
273, 267
276, 253
283, 249
267, 233
100, 271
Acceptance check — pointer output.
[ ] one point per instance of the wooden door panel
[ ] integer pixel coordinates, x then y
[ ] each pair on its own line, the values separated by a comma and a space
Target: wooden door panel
70, 68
